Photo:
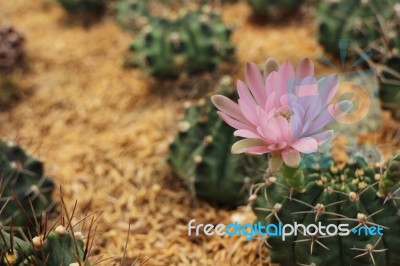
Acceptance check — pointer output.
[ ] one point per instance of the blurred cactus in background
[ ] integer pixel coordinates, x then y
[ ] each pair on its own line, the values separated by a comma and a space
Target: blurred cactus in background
82, 6
352, 193
367, 24
11, 47
200, 155
25, 191
133, 14
194, 42
275, 9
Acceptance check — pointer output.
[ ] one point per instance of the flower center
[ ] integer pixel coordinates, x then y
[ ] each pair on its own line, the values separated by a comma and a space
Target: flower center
286, 114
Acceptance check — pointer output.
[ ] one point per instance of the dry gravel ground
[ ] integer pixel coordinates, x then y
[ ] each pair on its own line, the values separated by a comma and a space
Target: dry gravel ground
103, 131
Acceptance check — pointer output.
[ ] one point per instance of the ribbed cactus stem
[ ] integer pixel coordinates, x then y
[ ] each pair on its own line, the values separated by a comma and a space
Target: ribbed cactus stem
294, 177
390, 177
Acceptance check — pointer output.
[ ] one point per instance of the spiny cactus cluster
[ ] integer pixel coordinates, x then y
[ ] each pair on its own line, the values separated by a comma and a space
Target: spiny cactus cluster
352, 192
58, 247
25, 191
275, 9
200, 155
11, 47
79, 6
194, 42
367, 24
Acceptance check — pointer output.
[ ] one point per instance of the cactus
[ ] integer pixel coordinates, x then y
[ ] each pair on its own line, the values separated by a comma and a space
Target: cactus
11, 47
197, 41
366, 24
58, 247
83, 6
352, 192
200, 155
274, 9
389, 91
25, 192
133, 14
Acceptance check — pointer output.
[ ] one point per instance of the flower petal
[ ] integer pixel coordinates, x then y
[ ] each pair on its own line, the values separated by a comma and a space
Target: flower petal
244, 133
305, 145
280, 127
291, 158
272, 84
248, 111
328, 86
256, 83
242, 145
270, 65
275, 162
229, 107
288, 79
323, 136
233, 122
244, 93
277, 146
257, 150
305, 68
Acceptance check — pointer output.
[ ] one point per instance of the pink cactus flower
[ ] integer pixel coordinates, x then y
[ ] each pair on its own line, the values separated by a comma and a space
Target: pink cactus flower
282, 112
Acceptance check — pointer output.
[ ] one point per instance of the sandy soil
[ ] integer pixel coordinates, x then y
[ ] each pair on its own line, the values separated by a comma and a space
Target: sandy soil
103, 131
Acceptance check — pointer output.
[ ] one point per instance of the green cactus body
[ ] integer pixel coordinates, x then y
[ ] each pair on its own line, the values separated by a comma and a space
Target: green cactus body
24, 184
334, 194
275, 9
366, 24
58, 247
353, 20
133, 14
197, 41
389, 92
79, 6
201, 157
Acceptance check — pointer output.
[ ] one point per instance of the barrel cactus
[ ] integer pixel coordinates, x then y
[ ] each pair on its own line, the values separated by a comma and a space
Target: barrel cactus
353, 192
11, 47
274, 9
366, 25
79, 6
196, 41
26, 192
200, 156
